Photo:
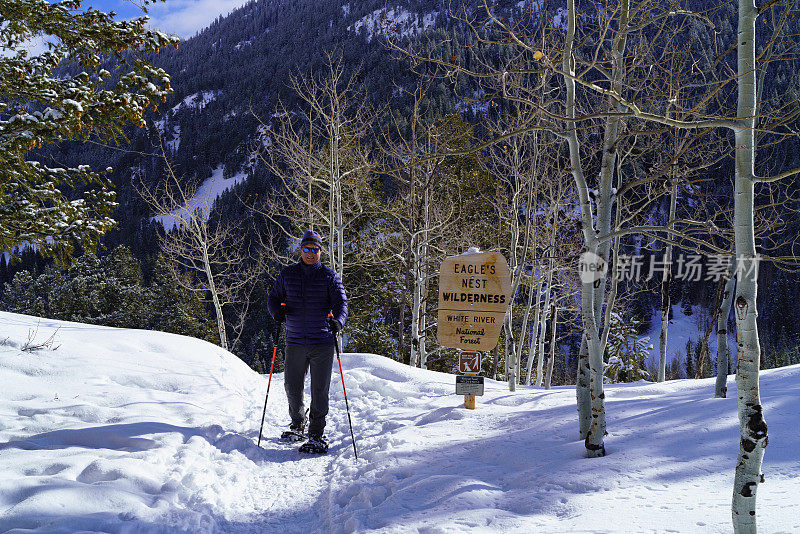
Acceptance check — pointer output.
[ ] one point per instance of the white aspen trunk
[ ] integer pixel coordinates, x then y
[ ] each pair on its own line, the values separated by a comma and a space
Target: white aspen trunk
531, 206
310, 174
551, 362
666, 278
496, 357
332, 234
518, 361
423, 353
339, 215
721, 386
612, 295
532, 344
423, 283
510, 354
537, 381
596, 426
611, 138
413, 250
752, 427
594, 442
401, 319
523, 333
543, 328
415, 305
505, 360
212, 288
339, 233
582, 385
548, 296
537, 316
582, 391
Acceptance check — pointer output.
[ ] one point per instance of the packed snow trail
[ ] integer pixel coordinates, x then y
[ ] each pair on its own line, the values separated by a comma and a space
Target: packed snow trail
136, 431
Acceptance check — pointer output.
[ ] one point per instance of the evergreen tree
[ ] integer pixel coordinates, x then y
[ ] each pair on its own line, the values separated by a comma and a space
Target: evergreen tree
626, 353
177, 309
19, 295
82, 99
129, 303
690, 367
110, 291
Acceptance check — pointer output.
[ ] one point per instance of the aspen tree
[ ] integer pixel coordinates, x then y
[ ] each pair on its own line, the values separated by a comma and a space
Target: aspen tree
723, 355
224, 272
318, 151
428, 202
618, 82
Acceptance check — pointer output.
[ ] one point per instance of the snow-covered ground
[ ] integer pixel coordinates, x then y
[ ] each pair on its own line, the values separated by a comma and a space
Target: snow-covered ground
203, 199
136, 431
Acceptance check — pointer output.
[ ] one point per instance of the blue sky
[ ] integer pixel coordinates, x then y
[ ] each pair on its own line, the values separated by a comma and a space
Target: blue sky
182, 17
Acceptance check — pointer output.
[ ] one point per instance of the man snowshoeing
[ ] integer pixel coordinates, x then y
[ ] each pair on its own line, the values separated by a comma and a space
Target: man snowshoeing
304, 295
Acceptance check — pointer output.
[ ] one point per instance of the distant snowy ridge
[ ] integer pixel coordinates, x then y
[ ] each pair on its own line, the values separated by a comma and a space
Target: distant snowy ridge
197, 100
122, 430
203, 199
396, 20
172, 135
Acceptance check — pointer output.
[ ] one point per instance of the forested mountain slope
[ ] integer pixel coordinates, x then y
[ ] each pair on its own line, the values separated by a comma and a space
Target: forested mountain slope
229, 78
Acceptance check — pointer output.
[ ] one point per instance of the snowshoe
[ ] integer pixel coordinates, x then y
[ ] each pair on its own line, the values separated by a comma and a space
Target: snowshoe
315, 445
293, 435
297, 431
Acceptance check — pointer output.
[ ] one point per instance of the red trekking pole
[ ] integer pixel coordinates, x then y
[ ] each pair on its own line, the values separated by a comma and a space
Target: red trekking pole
347, 405
269, 382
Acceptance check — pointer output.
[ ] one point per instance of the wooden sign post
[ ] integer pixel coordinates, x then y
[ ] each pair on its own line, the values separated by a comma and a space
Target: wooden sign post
474, 293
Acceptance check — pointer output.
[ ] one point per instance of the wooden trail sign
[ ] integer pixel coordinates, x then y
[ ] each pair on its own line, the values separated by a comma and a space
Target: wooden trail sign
474, 293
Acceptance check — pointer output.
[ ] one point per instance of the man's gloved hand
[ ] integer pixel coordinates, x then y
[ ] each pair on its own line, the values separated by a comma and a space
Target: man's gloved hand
280, 314
334, 325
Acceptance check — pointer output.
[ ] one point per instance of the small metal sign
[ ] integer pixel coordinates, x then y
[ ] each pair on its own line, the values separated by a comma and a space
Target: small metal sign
469, 385
469, 362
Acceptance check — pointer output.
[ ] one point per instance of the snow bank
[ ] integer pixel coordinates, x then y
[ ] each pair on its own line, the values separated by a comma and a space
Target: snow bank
135, 431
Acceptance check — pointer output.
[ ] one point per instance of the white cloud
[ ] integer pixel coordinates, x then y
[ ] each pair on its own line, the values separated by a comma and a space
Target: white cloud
34, 46
187, 17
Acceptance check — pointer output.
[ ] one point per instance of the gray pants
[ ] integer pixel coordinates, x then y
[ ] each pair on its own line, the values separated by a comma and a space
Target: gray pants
299, 360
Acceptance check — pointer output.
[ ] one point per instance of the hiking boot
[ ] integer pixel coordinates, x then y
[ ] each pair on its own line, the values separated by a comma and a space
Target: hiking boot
300, 427
315, 445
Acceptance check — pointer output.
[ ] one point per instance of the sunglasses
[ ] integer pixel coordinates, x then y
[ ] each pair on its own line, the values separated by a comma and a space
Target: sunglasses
313, 250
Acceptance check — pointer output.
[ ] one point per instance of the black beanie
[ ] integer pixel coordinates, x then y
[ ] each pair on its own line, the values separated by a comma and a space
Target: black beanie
311, 238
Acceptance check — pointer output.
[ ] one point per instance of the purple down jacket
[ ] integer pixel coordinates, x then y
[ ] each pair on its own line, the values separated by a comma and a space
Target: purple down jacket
310, 293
